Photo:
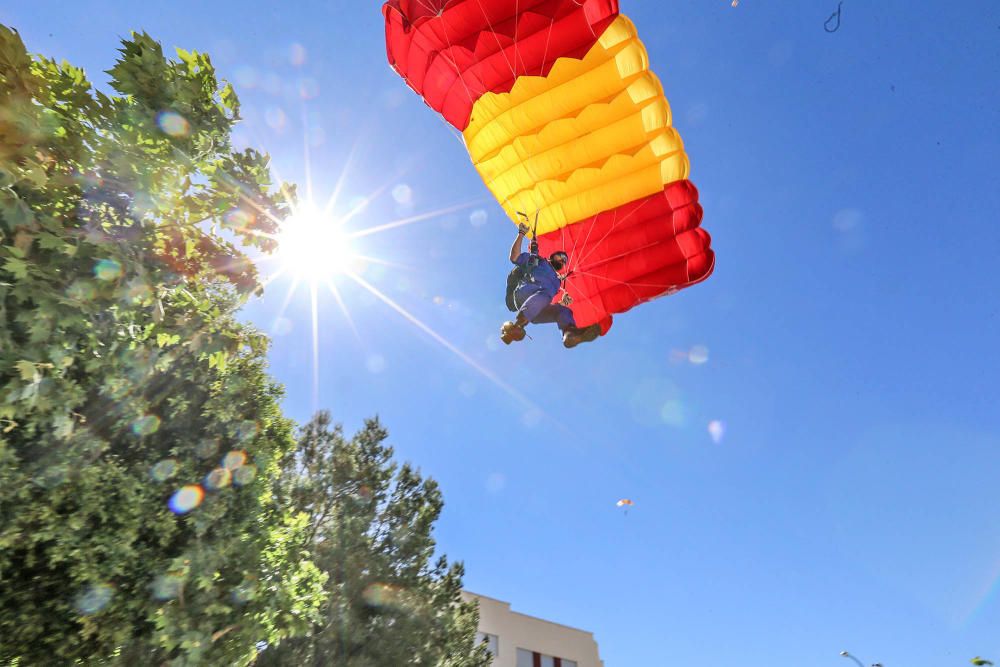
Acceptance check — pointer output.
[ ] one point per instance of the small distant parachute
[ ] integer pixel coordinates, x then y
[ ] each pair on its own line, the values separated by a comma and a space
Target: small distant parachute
563, 118
626, 503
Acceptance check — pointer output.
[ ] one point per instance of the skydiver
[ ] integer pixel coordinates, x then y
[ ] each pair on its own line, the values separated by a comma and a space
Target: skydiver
537, 285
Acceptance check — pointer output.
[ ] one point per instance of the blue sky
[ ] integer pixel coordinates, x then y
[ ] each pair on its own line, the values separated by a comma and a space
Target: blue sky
850, 182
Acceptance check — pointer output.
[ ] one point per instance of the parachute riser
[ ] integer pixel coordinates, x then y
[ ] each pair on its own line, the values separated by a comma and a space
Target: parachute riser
533, 246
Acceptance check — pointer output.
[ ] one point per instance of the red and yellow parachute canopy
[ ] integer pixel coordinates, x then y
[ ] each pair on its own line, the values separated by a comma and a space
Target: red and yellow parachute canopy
563, 118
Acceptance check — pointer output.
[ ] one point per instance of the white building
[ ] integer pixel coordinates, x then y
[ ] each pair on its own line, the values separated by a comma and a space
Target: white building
519, 640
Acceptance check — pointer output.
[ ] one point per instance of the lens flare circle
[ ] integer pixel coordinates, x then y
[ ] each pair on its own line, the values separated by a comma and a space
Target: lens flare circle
94, 599
186, 499
108, 269
146, 425
164, 470
218, 479
717, 430
173, 124
244, 474
167, 586
698, 355
234, 460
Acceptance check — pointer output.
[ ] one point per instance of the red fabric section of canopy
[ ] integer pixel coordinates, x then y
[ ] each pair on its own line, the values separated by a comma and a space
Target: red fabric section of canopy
634, 253
451, 52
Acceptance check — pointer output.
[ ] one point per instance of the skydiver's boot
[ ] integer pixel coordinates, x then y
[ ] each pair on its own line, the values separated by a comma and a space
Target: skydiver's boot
512, 331
575, 336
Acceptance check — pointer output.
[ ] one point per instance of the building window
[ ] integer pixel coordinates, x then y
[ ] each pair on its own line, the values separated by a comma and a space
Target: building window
492, 642
526, 658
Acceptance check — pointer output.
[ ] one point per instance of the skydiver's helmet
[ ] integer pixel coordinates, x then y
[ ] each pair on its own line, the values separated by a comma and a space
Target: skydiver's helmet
559, 260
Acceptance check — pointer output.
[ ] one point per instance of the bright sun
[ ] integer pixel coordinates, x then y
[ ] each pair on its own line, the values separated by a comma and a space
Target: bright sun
314, 246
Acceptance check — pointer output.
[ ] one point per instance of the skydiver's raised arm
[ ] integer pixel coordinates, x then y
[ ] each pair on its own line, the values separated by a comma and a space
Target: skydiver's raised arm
515, 249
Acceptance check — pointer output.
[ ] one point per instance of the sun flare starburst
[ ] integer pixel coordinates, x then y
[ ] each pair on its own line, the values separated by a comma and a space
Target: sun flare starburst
320, 249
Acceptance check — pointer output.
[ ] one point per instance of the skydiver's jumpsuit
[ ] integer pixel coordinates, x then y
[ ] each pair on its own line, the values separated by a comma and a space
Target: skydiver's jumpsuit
533, 296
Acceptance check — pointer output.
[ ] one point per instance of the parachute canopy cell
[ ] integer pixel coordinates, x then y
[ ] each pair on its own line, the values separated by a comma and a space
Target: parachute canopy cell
563, 117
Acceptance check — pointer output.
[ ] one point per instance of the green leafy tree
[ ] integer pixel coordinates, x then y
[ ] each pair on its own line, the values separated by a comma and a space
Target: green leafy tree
139, 431
371, 520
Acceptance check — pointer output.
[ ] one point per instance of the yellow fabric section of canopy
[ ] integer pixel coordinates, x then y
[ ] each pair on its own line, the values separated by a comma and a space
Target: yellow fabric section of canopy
593, 135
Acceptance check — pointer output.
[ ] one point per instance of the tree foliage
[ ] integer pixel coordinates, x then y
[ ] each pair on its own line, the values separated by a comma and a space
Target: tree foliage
127, 387
387, 601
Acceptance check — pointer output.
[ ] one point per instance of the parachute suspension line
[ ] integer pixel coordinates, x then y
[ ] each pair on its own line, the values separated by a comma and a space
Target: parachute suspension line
562, 245
579, 3
548, 40
426, 4
590, 229
451, 61
631, 285
572, 253
489, 24
451, 128
541, 67
628, 284
517, 12
597, 277
513, 71
615, 223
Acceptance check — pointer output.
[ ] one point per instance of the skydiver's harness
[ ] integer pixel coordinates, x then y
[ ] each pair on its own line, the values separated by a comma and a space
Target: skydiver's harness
520, 275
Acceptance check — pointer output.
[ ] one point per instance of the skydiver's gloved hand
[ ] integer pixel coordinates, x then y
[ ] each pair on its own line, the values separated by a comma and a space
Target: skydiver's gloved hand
523, 229
566, 299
